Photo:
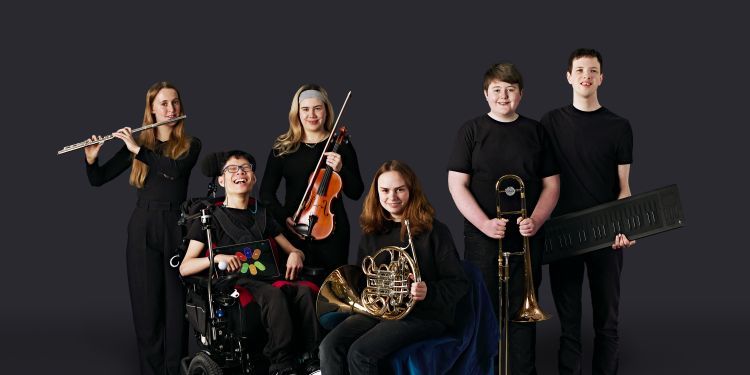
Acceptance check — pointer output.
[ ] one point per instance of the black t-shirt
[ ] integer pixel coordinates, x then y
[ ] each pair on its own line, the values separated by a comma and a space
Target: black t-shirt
438, 263
589, 146
166, 180
245, 219
487, 149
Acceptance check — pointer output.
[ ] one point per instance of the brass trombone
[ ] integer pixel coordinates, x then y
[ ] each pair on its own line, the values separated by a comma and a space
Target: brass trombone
530, 311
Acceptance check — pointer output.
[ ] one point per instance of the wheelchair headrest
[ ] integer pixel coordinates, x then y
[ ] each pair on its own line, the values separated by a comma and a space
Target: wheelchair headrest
212, 163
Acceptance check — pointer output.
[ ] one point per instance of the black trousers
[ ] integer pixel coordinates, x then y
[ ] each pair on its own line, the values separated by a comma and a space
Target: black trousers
360, 343
308, 331
483, 251
157, 296
566, 279
284, 312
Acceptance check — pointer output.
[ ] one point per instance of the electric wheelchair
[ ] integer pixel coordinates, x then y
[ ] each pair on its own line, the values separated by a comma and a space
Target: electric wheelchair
225, 320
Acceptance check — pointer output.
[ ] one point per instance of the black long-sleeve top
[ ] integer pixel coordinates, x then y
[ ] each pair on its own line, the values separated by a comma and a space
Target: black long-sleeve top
439, 267
167, 178
296, 168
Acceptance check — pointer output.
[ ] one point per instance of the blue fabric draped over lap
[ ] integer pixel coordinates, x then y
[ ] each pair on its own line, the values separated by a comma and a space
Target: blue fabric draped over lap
467, 348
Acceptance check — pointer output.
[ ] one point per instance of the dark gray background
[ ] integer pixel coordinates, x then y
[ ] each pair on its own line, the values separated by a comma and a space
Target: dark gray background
677, 72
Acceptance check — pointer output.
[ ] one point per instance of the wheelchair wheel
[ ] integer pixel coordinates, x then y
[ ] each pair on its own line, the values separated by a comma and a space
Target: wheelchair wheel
202, 364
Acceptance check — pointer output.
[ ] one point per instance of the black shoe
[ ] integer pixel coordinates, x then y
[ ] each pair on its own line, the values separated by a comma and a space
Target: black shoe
309, 363
284, 371
311, 366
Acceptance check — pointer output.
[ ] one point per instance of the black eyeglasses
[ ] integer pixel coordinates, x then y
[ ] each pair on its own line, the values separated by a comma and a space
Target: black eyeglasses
235, 168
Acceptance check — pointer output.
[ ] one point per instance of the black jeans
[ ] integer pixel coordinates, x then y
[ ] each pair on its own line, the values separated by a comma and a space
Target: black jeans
483, 251
566, 279
360, 343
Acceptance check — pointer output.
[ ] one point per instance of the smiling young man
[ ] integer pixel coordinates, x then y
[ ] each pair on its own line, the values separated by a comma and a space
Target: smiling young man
594, 148
279, 307
497, 143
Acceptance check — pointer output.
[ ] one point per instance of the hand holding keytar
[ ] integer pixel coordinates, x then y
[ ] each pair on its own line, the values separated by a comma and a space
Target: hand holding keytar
594, 228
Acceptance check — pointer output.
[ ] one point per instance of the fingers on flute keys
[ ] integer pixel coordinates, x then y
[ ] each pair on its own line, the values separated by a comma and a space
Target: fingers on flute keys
92, 150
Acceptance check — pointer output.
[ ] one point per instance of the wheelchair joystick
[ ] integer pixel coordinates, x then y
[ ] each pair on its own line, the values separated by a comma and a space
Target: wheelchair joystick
223, 266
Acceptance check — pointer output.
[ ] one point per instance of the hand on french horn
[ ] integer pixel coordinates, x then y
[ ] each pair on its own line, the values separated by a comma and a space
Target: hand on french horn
527, 227
418, 290
126, 134
621, 242
494, 228
92, 152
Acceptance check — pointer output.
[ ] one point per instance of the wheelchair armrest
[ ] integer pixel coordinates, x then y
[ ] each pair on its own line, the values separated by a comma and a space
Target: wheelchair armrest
195, 280
224, 284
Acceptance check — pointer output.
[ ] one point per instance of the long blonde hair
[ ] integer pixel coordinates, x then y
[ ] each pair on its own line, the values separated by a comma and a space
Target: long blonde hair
177, 145
418, 209
288, 142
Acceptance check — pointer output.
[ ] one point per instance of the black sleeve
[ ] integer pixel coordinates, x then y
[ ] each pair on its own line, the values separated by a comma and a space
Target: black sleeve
196, 232
272, 227
270, 185
625, 147
460, 157
350, 175
546, 121
171, 168
549, 165
452, 283
100, 175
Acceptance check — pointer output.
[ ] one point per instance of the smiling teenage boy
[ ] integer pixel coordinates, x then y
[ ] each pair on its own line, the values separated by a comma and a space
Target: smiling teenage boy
487, 147
594, 149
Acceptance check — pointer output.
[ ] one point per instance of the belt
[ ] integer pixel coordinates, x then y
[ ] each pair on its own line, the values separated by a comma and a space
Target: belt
158, 205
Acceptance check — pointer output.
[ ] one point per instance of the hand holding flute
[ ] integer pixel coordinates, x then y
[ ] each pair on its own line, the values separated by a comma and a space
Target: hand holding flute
126, 134
92, 151
98, 140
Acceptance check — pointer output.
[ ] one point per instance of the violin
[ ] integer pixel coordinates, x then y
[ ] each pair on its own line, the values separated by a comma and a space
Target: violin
316, 220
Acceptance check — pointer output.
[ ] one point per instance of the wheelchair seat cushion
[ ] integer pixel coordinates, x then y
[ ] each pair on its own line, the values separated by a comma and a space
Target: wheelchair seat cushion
281, 283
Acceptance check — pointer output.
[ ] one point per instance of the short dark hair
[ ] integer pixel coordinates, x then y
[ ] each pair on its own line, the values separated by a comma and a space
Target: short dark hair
506, 72
585, 52
237, 154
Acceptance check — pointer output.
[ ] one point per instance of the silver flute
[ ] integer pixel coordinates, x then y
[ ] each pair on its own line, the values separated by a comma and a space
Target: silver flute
90, 142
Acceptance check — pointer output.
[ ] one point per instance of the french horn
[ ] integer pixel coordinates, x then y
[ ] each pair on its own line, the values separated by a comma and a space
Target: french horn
379, 290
